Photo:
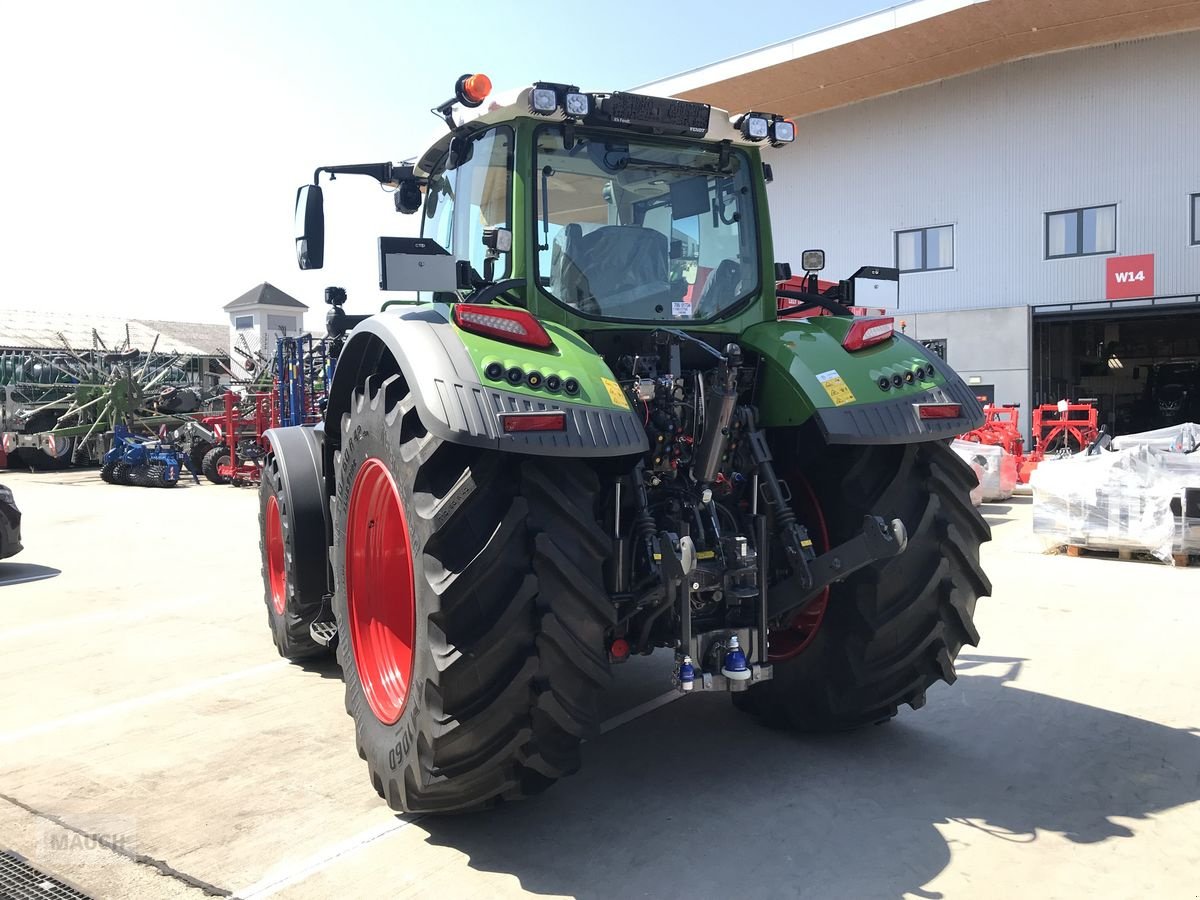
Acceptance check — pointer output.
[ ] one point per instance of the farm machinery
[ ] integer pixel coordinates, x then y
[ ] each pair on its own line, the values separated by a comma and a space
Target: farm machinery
1058, 429
59, 407
229, 447
564, 453
145, 462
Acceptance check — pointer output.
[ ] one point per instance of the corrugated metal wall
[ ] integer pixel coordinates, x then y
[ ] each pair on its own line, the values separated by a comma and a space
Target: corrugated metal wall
991, 153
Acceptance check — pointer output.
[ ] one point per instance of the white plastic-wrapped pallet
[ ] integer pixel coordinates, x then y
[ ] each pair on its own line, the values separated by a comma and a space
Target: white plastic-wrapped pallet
1113, 500
998, 470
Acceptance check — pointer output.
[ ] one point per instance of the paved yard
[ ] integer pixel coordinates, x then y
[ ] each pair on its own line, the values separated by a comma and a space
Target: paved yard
143, 702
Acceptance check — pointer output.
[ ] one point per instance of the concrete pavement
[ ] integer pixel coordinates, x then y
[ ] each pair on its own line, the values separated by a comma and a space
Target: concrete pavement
143, 700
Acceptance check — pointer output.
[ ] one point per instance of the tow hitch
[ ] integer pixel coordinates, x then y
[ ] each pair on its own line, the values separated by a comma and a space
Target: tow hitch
879, 540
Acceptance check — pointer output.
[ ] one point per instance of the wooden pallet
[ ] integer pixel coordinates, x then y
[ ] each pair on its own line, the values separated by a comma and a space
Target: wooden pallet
1182, 560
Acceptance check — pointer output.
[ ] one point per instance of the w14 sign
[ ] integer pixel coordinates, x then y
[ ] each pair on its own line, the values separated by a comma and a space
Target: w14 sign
1127, 277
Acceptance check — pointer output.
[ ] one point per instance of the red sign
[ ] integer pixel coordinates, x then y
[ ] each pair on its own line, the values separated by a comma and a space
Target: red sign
1127, 277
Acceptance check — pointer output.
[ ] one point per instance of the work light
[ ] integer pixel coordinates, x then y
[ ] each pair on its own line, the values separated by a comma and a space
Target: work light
543, 100
782, 131
755, 127
576, 104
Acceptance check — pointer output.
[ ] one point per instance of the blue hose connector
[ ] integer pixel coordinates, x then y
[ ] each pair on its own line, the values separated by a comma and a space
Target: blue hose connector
687, 674
735, 666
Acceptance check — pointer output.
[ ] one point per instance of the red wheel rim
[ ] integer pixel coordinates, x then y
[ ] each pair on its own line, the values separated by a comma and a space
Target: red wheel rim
275, 570
793, 639
379, 590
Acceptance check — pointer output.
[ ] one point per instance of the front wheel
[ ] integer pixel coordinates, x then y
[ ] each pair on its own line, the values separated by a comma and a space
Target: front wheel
470, 605
891, 630
292, 541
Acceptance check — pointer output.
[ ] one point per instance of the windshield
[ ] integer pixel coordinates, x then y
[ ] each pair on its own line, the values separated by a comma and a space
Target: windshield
644, 231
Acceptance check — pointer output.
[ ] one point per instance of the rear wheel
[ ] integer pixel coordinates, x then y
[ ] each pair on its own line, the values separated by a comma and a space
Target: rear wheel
106, 471
294, 567
892, 630
471, 609
122, 473
217, 456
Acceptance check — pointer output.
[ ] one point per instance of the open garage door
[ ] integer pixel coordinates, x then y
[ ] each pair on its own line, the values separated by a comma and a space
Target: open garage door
1141, 366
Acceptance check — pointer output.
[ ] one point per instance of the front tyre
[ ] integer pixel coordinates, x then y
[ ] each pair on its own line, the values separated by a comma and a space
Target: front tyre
293, 549
470, 606
893, 629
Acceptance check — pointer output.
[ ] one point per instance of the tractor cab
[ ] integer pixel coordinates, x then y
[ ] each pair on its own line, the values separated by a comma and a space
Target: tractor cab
588, 208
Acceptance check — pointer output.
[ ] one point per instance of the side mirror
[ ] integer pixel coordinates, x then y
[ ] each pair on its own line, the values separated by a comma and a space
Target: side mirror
812, 260
310, 227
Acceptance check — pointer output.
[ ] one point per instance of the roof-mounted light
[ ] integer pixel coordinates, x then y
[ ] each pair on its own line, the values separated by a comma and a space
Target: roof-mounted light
576, 104
754, 126
543, 100
472, 90
783, 131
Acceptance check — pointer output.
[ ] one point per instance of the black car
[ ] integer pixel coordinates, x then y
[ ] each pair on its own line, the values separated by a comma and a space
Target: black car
10, 524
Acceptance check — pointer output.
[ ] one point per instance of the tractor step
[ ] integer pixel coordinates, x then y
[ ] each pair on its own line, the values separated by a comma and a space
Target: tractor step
324, 633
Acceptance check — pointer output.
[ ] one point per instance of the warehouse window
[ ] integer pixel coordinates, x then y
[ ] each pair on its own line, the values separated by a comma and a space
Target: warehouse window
925, 249
1081, 232
241, 323
1196, 218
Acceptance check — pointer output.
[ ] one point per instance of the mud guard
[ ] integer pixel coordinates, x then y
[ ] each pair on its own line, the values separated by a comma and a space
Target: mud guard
298, 449
454, 404
807, 375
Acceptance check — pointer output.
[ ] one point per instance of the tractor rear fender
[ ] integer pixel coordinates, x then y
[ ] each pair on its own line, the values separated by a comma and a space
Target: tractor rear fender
298, 449
444, 370
868, 396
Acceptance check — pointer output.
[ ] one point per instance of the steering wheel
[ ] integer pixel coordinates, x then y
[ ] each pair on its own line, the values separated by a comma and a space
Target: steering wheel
722, 284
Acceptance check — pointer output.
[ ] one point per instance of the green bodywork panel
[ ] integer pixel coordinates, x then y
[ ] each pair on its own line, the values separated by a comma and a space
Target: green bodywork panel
795, 352
570, 357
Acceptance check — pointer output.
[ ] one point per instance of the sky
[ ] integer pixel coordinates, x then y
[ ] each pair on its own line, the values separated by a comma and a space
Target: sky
151, 151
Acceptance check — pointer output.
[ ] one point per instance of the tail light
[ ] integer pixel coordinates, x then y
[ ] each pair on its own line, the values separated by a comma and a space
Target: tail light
504, 323
938, 410
538, 421
869, 332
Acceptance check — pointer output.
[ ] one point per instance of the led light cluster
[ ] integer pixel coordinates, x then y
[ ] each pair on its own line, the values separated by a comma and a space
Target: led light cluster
920, 373
546, 99
534, 379
756, 126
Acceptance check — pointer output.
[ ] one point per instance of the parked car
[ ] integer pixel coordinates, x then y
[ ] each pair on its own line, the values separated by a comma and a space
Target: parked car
10, 524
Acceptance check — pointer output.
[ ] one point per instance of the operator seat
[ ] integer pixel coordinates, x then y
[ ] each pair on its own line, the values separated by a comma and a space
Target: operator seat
614, 260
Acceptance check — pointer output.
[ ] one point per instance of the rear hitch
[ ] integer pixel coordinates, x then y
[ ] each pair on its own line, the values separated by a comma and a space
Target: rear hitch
878, 540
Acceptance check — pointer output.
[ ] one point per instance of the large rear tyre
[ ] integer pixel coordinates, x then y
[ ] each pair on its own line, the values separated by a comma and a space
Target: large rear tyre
292, 541
471, 609
892, 630
217, 456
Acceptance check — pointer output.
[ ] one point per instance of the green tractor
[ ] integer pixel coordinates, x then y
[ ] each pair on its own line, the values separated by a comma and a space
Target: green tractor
593, 435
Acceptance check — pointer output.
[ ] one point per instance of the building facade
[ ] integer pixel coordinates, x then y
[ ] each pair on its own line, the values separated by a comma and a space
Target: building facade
1044, 211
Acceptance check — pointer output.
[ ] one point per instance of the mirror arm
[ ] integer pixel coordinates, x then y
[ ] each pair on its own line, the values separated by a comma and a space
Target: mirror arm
384, 173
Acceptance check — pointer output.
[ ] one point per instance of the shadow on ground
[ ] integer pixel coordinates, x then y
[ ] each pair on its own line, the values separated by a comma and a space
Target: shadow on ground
20, 573
699, 798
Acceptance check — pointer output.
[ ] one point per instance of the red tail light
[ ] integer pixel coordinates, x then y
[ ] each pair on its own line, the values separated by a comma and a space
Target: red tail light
938, 410
504, 323
541, 421
869, 332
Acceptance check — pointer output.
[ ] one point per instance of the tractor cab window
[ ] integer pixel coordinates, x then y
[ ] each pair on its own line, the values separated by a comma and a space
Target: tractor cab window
460, 203
638, 230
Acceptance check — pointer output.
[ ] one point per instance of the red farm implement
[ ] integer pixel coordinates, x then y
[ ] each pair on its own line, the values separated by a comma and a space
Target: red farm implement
1062, 428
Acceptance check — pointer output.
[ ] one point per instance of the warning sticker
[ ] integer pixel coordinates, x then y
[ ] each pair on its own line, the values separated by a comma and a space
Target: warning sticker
615, 394
837, 389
